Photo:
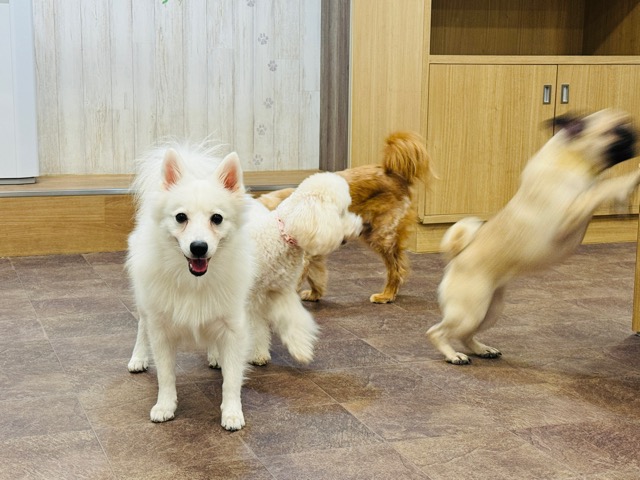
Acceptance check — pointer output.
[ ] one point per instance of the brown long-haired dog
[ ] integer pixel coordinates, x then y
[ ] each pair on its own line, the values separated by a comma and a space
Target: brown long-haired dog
383, 196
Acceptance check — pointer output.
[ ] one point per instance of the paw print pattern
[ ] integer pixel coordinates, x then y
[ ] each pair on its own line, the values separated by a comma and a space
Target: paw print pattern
261, 129
273, 66
263, 39
268, 102
257, 160
251, 3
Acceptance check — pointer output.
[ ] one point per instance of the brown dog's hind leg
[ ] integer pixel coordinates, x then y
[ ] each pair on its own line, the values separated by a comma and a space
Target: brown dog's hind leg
397, 263
315, 272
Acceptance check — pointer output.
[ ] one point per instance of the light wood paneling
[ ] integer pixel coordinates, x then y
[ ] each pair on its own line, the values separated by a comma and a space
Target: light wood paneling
114, 77
122, 94
611, 28
487, 122
96, 80
386, 73
70, 112
57, 225
507, 27
46, 64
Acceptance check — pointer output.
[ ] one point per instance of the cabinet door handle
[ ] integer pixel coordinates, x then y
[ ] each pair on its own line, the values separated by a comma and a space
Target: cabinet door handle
564, 93
546, 95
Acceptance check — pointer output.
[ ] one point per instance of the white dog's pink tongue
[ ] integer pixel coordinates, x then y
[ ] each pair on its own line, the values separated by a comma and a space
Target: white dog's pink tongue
198, 266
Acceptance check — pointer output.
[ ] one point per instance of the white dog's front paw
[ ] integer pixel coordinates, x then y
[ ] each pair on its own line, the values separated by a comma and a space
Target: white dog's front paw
162, 412
260, 358
212, 357
232, 419
459, 359
137, 365
310, 296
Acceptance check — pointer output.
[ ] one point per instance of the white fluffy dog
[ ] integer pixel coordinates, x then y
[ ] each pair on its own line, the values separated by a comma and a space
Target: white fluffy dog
315, 220
191, 265
542, 224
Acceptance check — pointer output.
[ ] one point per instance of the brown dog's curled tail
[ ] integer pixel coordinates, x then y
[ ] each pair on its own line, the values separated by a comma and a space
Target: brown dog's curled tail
459, 235
405, 155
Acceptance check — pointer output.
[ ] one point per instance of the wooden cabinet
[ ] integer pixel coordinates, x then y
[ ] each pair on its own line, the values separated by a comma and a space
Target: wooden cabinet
498, 71
485, 121
480, 134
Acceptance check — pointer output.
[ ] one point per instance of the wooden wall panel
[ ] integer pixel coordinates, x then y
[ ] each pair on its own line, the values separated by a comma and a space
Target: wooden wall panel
115, 76
122, 105
59, 225
611, 28
386, 73
507, 27
70, 113
46, 64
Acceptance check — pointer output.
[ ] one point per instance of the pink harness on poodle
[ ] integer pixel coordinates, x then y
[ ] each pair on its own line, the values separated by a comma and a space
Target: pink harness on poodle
288, 239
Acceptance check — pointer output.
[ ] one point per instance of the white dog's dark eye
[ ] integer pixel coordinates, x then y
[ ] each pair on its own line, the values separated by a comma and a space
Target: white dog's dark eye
181, 217
216, 218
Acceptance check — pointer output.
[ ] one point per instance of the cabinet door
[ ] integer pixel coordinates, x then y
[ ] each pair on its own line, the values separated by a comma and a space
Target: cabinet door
484, 122
594, 87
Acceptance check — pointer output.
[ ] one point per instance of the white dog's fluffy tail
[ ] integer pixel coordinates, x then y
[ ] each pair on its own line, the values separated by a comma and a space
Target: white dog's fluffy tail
459, 236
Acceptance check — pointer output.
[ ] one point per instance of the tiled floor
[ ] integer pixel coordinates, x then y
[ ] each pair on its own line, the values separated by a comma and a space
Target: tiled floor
378, 402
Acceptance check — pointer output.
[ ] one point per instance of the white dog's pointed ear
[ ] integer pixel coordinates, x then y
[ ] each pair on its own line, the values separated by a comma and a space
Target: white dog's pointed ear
171, 168
230, 172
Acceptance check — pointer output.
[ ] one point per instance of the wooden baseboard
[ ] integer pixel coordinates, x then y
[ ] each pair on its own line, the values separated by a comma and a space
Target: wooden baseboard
611, 229
85, 214
64, 224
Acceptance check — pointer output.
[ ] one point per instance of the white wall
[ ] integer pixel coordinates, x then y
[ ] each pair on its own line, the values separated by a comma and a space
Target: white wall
113, 76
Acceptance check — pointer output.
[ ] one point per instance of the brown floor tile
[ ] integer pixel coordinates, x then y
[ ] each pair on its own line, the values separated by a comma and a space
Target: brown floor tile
371, 319
302, 429
15, 305
426, 413
281, 390
404, 348
574, 446
492, 454
56, 307
359, 463
178, 450
480, 377
41, 416
68, 289
536, 405
66, 455
89, 325
330, 355
369, 383
615, 395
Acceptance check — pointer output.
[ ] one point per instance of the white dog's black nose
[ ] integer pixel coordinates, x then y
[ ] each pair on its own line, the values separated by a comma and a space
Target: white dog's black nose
199, 249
